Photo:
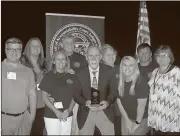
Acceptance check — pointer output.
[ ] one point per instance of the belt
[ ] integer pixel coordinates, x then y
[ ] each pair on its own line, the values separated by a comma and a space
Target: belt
15, 115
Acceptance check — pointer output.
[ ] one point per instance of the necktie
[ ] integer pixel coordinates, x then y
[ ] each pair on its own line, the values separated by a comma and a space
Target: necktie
94, 82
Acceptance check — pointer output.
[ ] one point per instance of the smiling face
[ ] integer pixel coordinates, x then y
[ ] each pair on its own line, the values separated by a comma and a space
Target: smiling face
144, 54
35, 47
68, 44
13, 52
163, 59
109, 56
60, 62
128, 67
93, 57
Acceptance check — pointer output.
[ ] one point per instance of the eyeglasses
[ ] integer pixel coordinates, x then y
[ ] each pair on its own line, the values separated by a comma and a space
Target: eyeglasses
163, 56
14, 50
110, 55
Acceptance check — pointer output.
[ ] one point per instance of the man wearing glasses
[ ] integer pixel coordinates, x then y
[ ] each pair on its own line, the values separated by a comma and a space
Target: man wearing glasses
18, 92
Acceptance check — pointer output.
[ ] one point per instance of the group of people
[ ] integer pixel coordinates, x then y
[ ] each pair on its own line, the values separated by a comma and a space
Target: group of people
91, 94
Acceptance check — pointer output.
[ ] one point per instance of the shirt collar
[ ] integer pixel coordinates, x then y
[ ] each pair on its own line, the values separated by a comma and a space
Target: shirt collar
91, 70
7, 63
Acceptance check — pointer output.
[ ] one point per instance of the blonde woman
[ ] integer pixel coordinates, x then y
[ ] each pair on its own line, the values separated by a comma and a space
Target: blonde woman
132, 105
61, 85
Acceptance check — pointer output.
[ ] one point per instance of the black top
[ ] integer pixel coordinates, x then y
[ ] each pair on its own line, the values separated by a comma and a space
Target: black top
77, 61
129, 101
61, 87
146, 71
116, 69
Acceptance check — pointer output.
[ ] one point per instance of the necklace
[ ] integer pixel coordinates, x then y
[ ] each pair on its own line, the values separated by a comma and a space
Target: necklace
155, 78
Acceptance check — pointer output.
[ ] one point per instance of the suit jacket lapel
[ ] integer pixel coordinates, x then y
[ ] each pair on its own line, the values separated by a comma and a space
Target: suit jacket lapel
87, 75
100, 77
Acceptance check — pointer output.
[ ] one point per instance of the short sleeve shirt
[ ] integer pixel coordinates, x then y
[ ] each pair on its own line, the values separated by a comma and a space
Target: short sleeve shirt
61, 87
16, 84
77, 61
146, 71
129, 101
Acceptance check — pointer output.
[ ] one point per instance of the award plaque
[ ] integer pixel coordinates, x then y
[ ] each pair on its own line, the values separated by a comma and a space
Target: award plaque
95, 96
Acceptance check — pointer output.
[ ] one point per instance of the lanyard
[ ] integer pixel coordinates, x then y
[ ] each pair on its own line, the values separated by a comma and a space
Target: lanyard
155, 78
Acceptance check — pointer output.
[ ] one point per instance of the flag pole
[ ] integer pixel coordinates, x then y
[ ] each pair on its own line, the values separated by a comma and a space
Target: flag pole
143, 33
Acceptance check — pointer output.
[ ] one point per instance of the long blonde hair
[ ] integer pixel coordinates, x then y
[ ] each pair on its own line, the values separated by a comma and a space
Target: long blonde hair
134, 77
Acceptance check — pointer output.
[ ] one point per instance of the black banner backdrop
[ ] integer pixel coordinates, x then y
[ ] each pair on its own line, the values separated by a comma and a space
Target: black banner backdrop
87, 30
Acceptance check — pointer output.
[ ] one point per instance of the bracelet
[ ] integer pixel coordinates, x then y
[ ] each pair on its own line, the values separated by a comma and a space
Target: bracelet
137, 122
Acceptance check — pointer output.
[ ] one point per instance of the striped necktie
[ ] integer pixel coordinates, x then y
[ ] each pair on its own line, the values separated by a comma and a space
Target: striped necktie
94, 82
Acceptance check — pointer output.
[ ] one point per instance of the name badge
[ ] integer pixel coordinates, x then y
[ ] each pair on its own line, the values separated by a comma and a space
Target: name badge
38, 87
58, 105
11, 75
154, 97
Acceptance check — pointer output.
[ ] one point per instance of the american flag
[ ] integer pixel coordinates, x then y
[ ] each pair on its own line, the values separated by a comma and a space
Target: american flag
143, 34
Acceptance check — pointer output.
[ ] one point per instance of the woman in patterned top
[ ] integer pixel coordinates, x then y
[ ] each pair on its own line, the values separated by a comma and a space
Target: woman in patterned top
164, 98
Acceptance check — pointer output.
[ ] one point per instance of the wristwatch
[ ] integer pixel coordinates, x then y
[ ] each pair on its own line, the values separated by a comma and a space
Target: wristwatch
137, 123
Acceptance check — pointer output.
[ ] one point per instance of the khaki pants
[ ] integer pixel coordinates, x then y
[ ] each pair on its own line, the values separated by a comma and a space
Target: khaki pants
75, 129
20, 125
100, 120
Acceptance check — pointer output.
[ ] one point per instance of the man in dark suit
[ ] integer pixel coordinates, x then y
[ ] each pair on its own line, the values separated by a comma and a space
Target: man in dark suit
101, 78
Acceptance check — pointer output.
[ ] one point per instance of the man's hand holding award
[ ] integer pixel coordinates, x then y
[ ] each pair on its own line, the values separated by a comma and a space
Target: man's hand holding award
95, 104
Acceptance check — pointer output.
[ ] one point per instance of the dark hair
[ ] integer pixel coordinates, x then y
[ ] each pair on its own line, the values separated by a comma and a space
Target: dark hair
144, 45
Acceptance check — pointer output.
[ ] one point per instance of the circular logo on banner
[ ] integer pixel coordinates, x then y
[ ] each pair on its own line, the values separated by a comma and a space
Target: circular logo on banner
83, 35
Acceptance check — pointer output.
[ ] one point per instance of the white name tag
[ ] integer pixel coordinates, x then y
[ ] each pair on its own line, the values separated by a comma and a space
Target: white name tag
38, 87
154, 97
58, 105
11, 75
